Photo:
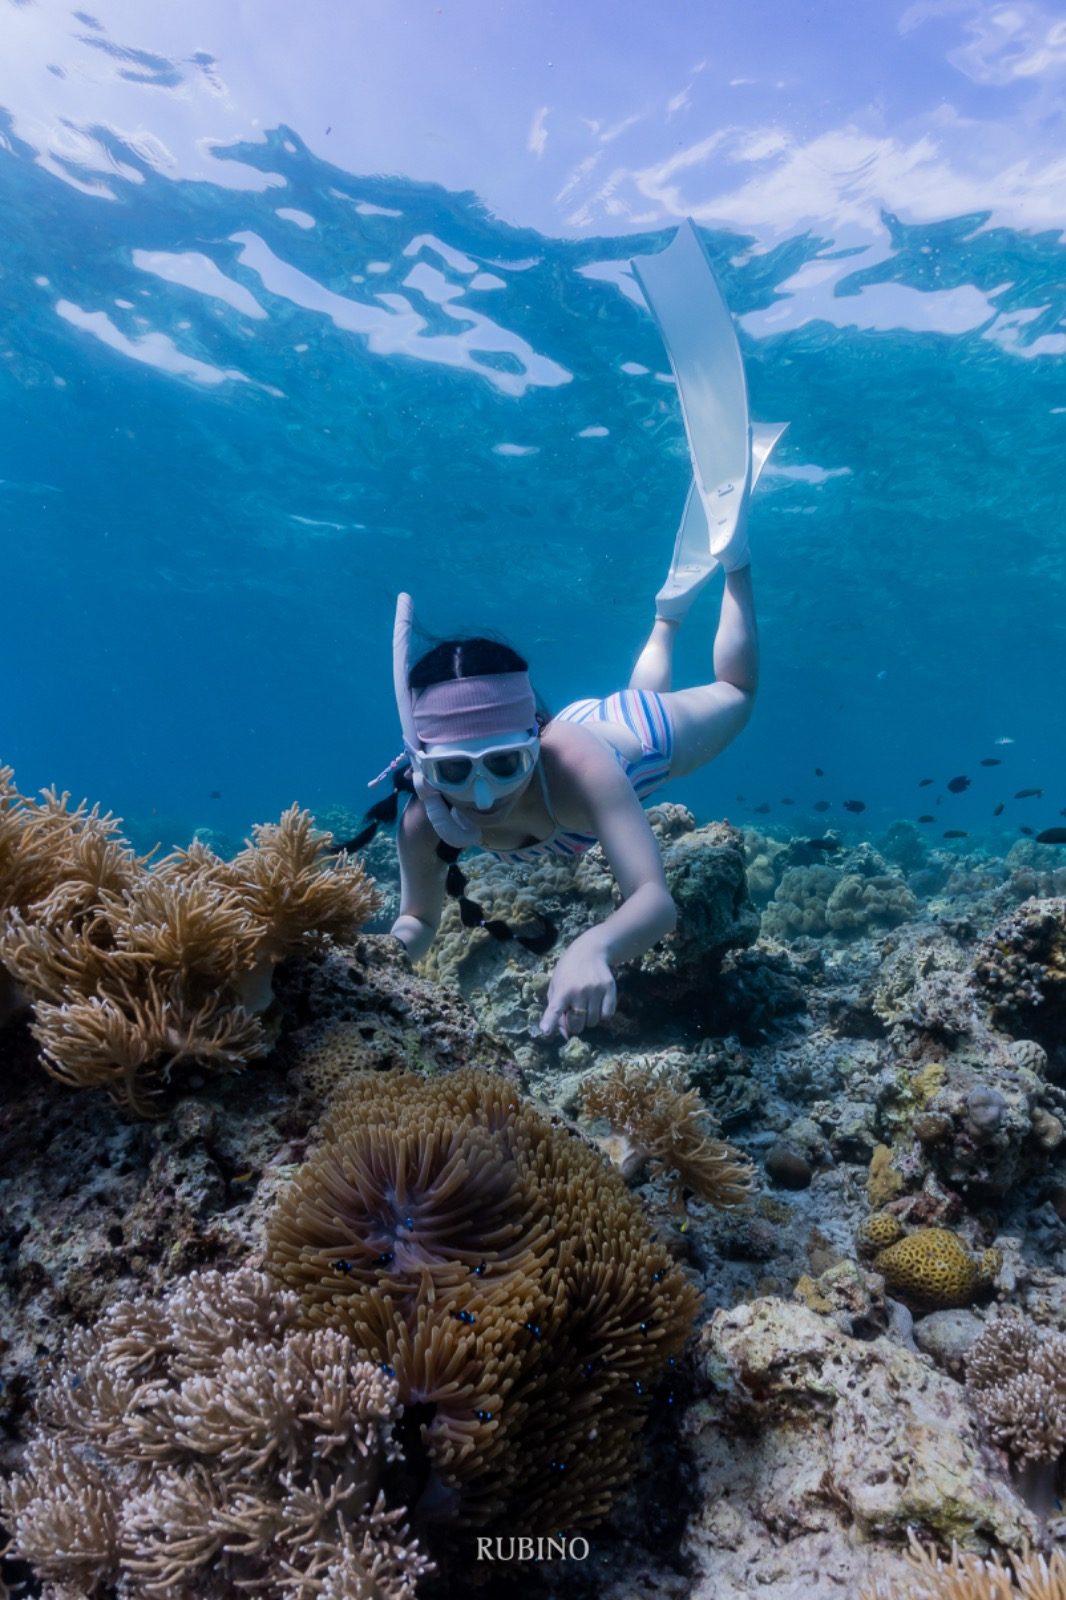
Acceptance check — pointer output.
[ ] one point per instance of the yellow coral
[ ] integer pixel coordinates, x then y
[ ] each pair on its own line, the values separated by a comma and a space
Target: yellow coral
883, 1182
879, 1232
932, 1267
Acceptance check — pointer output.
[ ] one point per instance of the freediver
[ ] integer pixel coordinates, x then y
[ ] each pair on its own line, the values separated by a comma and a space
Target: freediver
487, 771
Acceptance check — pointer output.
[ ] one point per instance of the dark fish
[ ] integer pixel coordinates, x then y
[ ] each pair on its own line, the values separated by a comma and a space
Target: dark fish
760, 811
955, 833
1025, 830
823, 805
957, 785
1052, 836
991, 761
854, 805
216, 794
923, 783
787, 802
740, 799
926, 819
1028, 794
818, 773
828, 845
998, 812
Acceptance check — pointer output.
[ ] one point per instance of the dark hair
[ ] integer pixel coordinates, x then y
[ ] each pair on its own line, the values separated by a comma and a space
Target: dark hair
470, 658
464, 658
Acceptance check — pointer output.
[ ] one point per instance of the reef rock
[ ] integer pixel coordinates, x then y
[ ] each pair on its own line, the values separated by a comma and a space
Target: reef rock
811, 1444
680, 981
1021, 972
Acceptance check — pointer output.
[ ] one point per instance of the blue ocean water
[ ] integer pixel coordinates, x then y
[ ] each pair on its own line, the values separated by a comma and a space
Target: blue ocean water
239, 419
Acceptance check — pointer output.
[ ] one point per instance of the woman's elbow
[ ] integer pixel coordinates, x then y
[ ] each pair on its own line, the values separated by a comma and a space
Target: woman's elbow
668, 913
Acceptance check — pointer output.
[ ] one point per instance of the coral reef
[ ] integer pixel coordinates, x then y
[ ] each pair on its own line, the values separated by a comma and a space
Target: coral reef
97, 1206
1021, 969
204, 1443
501, 1270
656, 1118
133, 969
967, 1577
1016, 1378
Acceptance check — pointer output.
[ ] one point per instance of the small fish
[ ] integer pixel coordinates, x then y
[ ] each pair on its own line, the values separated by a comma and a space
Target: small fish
1062, 813
1028, 794
216, 794
818, 773
828, 845
957, 785
926, 819
1027, 831
923, 783
242, 1177
854, 805
955, 833
991, 761
1006, 739
998, 812
1052, 836
823, 805
740, 800
760, 811
787, 801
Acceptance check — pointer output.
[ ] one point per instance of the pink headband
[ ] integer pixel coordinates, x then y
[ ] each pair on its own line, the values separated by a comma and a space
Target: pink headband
475, 708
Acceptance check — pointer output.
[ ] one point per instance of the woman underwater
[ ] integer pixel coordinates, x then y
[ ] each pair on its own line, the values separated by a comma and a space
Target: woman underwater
485, 772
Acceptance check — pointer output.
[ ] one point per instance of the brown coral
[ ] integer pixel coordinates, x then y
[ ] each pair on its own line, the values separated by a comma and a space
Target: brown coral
1016, 1378
133, 969
505, 1274
204, 1444
662, 1120
966, 1577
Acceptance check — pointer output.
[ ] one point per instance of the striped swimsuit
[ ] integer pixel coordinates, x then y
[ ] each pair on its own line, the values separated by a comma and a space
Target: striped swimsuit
645, 715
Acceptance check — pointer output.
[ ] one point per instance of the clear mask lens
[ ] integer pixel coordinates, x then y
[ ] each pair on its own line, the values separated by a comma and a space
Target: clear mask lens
503, 768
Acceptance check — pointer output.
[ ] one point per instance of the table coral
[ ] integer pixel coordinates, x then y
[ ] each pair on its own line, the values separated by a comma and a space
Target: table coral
203, 1443
133, 968
501, 1269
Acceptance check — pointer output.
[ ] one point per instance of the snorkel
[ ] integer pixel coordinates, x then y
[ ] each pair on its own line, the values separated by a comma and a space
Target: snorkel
495, 705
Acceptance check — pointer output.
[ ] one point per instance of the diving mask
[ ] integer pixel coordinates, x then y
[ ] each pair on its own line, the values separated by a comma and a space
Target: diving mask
480, 769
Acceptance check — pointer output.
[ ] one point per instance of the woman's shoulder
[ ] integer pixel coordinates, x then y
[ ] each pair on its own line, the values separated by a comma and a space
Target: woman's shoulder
577, 765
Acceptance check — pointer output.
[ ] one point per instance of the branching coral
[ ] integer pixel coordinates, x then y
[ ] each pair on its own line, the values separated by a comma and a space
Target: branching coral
133, 968
966, 1577
1016, 1378
502, 1270
205, 1444
664, 1122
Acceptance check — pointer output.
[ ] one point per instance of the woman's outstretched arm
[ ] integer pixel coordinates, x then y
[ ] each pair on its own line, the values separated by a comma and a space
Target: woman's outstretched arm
421, 881
582, 990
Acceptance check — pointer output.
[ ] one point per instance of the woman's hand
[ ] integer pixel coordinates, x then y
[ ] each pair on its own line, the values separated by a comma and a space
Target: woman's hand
582, 992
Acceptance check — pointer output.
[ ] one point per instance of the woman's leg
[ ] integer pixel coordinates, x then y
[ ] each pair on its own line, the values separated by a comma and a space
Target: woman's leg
655, 664
707, 718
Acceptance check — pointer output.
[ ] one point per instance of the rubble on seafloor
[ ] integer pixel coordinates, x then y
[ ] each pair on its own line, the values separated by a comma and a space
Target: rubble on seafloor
881, 1037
